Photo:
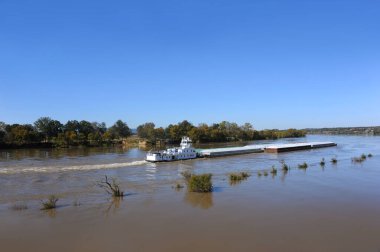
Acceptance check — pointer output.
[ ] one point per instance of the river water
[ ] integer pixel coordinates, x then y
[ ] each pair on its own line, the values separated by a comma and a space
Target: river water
331, 208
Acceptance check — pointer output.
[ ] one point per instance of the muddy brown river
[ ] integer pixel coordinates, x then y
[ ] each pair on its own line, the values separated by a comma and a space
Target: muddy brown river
331, 208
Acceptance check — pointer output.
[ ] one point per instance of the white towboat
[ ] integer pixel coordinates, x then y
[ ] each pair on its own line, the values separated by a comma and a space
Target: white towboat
185, 151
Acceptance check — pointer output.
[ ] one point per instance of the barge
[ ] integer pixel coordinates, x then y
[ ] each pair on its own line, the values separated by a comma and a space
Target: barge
297, 146
268, 148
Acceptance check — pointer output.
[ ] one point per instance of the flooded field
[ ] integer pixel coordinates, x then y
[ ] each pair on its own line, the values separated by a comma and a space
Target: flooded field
330, 208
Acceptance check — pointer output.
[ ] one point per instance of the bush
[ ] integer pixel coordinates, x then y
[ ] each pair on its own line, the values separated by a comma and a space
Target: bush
303, 166
51, 203
200, 183
370, 155
334, 160
238, 176
363, 156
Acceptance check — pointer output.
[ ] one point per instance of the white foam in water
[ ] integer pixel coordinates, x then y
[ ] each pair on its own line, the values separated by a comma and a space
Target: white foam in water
12, 170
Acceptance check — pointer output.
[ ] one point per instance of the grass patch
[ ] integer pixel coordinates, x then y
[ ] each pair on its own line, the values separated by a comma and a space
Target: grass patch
357, 160
360, 159
200, 183
259, 174
50, 203
334, 160
323, 162
265, 173
304, 166
19, 207
111, 187
238, 176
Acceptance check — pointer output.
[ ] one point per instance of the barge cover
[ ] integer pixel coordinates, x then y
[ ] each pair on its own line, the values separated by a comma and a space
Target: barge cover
269, 148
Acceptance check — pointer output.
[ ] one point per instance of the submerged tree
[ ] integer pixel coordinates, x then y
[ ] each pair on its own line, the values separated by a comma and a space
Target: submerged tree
111, 187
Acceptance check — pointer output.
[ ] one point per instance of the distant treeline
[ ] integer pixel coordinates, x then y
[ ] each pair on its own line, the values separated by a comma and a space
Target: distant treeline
346, 131
46, 132
217, 132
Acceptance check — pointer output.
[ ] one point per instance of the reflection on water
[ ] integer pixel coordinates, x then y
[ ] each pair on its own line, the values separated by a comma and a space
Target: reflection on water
283, 175
52, 213
237, 182
113, 206
200, 200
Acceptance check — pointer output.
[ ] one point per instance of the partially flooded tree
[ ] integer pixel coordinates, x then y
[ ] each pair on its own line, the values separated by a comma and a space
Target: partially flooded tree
111, 187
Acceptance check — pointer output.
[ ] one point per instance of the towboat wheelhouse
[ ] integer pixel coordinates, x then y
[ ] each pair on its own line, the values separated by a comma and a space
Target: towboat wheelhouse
185, 151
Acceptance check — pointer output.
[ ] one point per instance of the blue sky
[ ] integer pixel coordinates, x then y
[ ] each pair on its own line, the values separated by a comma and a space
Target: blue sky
276, 64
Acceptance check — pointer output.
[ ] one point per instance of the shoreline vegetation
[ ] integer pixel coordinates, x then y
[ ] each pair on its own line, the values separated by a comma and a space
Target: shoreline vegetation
49, 133
372, 131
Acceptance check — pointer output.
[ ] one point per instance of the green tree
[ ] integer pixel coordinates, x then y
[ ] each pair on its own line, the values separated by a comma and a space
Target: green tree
99, 127
21, 134
85, 128
184, 128
120, 129
72, 125
48, 127
94, 138
194, 134
159, 133
147, 131
247, 132
203, 133
108, 135
71, 137
173, 133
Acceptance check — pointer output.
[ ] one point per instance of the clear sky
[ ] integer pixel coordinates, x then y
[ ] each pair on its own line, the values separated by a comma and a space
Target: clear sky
276, 64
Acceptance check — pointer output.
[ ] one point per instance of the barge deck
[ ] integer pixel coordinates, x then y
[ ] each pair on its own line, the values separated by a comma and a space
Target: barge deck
268, 148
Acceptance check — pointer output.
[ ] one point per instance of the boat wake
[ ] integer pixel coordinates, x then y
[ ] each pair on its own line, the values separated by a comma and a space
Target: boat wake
13, 170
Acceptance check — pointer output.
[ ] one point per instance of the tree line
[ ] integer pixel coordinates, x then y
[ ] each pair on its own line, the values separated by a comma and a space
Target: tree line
49, 132
52, 133
216, 132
